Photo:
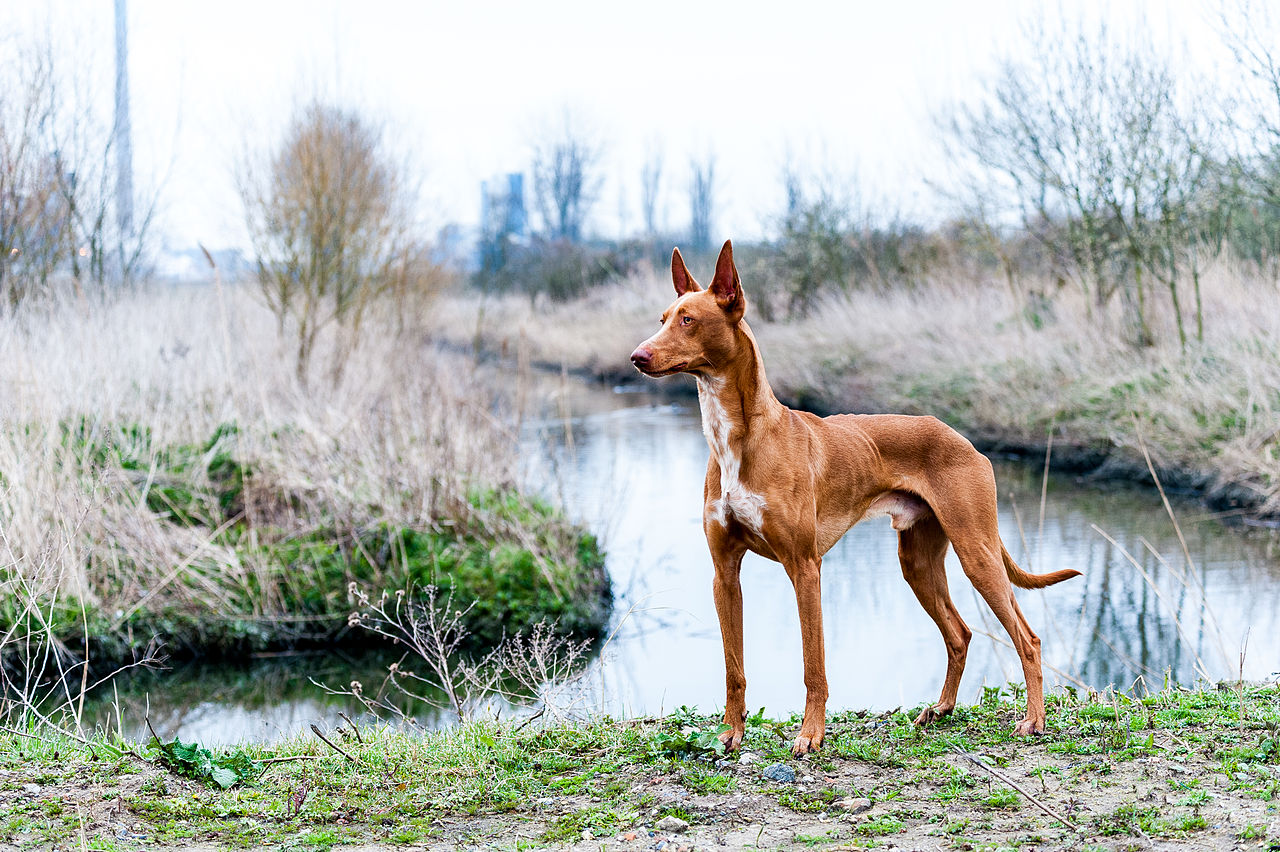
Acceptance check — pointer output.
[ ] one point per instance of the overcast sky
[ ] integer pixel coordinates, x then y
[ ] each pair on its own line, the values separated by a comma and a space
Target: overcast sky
848, 88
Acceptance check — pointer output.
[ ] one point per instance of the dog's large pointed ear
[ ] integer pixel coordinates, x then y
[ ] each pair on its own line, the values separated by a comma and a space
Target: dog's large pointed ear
726, 286
680, 275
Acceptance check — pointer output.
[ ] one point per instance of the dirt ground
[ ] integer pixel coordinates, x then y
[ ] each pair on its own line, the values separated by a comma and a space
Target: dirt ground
1184, 803
917, 820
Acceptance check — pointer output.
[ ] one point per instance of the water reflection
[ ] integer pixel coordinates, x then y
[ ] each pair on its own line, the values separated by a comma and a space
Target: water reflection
631, 466
636, 473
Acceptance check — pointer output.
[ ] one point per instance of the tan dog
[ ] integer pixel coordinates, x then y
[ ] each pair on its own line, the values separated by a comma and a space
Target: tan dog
787, 485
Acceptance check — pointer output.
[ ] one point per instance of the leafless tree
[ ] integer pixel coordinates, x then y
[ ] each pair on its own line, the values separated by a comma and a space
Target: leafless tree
331, 216
650, 185
58, 179
1251, 30
702, 186
566, 178
1103, 152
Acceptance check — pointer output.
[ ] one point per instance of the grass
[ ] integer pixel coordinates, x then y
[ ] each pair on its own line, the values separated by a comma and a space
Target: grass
511, 784
164, 473
963, 348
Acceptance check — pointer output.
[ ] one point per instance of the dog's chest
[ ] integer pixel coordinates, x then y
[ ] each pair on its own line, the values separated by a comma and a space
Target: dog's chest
735, 500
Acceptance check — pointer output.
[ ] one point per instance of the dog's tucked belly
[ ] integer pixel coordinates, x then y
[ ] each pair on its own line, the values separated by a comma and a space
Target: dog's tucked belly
903, 507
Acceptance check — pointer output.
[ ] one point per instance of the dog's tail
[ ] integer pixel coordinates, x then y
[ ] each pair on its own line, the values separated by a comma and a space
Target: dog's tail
1023, 580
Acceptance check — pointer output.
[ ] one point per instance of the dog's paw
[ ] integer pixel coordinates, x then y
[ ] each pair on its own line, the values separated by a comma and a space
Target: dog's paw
731, 740
1028, 727
931, 714
803, 745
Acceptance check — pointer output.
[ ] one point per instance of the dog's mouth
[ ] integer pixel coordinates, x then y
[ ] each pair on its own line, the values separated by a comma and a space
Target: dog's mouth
665, 371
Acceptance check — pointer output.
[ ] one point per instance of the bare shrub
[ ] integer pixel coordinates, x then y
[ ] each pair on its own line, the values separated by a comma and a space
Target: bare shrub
331, 217
541, 665
1103, 148
1250, 30
830, 240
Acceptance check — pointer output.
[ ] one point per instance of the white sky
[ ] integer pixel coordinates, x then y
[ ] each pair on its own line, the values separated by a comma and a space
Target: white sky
848, 87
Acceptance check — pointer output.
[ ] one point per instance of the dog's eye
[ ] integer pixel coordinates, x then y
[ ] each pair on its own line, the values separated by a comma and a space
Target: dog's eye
686, 320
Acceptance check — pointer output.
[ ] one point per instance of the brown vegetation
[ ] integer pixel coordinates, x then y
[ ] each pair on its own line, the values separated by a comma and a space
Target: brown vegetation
1007, 370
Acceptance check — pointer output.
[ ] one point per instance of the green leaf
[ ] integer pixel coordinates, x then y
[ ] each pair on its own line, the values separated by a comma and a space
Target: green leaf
225, 777
194, 761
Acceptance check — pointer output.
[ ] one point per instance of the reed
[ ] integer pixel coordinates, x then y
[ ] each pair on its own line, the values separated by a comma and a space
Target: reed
163, 469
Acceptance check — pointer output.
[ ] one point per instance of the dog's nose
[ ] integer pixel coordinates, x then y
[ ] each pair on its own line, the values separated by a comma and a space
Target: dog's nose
642, 356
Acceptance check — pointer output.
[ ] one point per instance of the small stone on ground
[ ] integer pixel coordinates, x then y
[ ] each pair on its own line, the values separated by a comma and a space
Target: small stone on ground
671, 823
780, 772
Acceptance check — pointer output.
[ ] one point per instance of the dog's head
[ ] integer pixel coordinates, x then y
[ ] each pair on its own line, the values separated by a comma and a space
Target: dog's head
699, 329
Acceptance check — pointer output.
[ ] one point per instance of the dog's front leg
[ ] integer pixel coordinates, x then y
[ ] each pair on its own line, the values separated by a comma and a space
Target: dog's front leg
806, 578
727, 591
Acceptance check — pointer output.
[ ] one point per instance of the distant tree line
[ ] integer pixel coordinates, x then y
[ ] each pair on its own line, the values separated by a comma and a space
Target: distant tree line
558, 257
1090, 160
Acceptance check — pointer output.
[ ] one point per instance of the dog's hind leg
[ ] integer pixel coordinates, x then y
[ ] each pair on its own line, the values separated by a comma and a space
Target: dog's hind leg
922, 549
968, 516
984, 566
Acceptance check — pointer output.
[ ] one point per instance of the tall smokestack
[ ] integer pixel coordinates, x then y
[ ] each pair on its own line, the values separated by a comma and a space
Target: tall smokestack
123, 132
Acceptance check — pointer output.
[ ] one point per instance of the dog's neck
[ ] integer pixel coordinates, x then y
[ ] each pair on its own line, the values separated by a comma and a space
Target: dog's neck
734, 398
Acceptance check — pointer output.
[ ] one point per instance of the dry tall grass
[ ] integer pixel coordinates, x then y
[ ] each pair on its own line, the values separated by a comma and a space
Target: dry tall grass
400, 440
973, 353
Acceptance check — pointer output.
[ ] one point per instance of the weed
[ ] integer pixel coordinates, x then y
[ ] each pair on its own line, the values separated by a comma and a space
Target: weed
803, 801
709, 783
1002, 797
812, 840
189, 759
880, 825
1252, 832
677, 812
1194, 800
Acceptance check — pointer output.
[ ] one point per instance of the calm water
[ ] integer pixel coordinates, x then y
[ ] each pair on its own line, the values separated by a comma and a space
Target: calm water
630, 465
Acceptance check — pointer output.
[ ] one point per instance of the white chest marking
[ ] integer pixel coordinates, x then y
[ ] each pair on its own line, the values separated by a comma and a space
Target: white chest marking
735, 499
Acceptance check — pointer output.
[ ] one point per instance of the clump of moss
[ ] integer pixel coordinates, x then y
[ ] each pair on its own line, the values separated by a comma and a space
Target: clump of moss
552, 572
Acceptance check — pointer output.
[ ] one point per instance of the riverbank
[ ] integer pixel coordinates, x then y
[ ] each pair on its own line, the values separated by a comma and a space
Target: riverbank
1008, 372
166, 477
1177, 769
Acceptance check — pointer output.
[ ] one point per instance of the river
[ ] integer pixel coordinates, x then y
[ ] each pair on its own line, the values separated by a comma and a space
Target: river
630, 463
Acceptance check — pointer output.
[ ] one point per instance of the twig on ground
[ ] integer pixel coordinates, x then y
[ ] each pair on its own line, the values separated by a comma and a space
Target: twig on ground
316, 730
354, 729
1000, 776
290, 757
527, 722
